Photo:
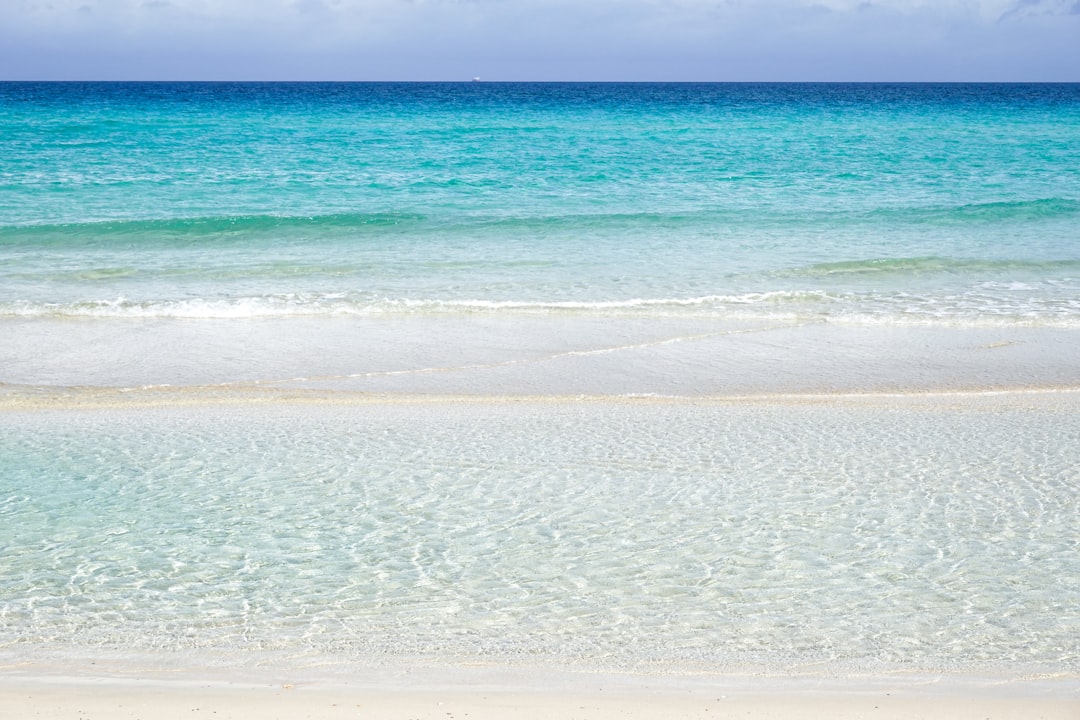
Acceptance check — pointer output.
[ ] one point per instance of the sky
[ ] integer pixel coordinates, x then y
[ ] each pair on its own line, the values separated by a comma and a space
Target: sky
585, 40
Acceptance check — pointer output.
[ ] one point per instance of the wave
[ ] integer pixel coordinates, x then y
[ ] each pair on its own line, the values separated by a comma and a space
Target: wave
312, 226
802, 306
295, 304
230, 223
193, 228
269, 230
989, 212
924, 265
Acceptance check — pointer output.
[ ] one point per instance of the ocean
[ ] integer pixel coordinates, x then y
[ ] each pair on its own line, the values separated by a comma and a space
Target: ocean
673, 378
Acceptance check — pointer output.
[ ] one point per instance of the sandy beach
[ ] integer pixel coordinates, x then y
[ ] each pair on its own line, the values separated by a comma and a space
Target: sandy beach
51, 699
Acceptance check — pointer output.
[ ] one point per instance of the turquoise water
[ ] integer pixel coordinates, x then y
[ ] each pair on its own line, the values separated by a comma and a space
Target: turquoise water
291, 376
892, 203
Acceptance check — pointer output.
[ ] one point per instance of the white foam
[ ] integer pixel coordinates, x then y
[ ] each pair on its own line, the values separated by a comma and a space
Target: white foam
970, 309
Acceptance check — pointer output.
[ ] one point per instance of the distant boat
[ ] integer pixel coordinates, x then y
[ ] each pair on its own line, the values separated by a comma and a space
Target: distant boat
476, 79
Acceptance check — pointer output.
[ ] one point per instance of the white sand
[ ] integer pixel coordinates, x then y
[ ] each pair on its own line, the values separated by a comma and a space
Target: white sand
534, 356
155, 700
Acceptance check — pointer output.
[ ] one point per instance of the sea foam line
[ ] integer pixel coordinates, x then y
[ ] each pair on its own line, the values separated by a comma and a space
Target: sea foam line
298, 304
849, 308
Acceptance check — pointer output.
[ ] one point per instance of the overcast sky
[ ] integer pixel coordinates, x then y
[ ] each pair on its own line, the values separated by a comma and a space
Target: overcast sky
915, 40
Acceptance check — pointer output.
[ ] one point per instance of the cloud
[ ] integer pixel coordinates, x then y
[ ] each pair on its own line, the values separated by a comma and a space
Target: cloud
542, 39
1019, 9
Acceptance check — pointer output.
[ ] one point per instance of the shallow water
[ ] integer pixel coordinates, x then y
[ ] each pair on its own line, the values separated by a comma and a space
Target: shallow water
918, 535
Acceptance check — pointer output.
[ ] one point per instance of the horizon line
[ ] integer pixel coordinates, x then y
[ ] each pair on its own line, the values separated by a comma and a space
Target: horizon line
480, 81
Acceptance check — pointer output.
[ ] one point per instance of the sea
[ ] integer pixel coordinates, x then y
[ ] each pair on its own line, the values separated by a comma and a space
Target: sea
667, 378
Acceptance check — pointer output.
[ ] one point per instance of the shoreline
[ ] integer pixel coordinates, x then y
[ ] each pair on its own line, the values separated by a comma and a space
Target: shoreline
14, 398
497, 696
524, 357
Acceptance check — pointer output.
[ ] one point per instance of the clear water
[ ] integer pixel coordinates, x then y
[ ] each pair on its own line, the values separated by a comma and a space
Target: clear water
233, 317
778, 538
862, 203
